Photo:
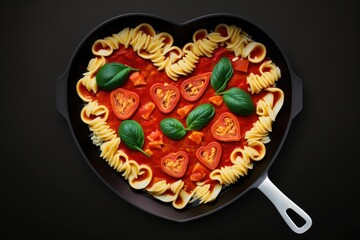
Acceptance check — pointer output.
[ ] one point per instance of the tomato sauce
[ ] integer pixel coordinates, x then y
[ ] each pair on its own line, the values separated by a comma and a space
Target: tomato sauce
152, 75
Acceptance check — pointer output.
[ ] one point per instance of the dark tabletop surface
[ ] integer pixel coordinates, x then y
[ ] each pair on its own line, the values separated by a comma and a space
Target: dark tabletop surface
48, 191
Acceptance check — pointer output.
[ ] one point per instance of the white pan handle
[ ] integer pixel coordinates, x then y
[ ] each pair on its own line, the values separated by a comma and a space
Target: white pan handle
283, 203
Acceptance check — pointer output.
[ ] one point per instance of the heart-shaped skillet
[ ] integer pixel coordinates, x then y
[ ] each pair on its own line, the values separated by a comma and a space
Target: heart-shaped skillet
70, 105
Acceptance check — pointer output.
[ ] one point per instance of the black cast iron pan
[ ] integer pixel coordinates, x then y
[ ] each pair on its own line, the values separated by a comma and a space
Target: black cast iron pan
69, 105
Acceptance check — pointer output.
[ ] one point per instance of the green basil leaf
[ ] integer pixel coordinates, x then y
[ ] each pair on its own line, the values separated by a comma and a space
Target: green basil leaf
221, 74
112, 75
200, 116
132, 135
238, 101
172, 128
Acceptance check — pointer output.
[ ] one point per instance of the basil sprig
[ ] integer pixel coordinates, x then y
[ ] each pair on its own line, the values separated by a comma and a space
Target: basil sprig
172, 128
221, 74
238, 101
196, 120
200, 116
132, 135
113, 75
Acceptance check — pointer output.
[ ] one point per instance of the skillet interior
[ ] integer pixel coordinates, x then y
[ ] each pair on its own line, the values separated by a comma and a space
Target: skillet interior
182, 34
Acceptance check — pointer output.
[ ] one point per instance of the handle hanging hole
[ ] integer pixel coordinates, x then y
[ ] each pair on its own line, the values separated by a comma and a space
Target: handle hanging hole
296, 218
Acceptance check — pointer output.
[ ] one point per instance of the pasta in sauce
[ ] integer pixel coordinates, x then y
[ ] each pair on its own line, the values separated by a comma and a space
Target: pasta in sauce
158, 61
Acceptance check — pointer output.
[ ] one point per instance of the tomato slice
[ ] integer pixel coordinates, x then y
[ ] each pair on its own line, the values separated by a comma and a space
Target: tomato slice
193, 88
209, 155
124, 103
175, 164
241, 65
165, 96
226, 128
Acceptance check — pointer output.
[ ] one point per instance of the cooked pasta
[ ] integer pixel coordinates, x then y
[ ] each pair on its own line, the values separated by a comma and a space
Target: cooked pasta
202, 44
271, 103
158, 188
230, 174
117, 160
205, 194
258, 48
269, 74
172, 192
237, 40
109, 148
141, 178
267, 109
89, 80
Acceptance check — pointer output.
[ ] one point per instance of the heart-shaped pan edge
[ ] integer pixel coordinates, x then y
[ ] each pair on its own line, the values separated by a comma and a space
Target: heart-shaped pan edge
69, 105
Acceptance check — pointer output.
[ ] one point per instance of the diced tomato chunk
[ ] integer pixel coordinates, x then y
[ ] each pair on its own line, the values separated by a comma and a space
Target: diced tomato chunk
148, 151
156, 139
198, 172
185, 110
241, 65
155, 136
217, 100
137, 79
146, 110
196, 137
156, 144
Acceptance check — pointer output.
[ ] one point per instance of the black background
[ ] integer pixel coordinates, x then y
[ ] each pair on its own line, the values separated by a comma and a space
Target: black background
49, 191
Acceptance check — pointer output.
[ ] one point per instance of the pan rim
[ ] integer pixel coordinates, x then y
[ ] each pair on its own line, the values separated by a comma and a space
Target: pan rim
171, 215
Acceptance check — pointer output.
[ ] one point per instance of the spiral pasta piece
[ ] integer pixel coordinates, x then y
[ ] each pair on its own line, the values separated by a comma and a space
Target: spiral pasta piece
242, 161
260, 130
158, 188
216, 37
93, 110
237, 40
182, 199
141, 41
267, 108
123, 37
117, 160
205, 194
255, 151
142, 178
202, 44
172, 192
230, 174
103, 47
258, 48
269, 74
109, 148
101, 131
271, 103
89, 80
